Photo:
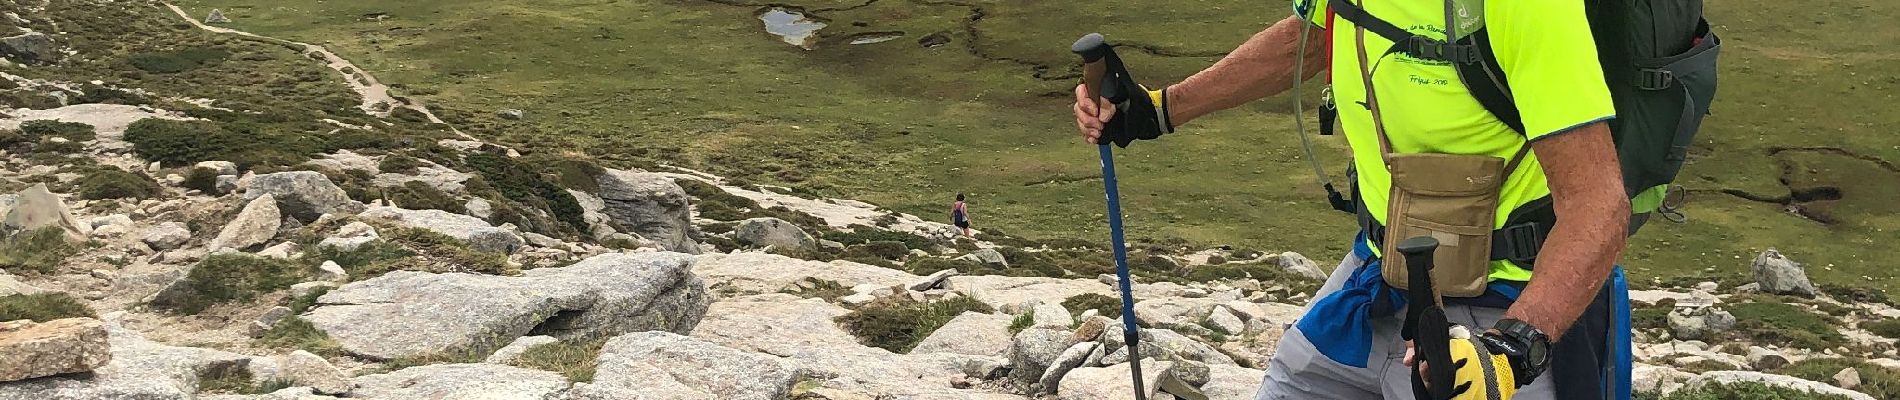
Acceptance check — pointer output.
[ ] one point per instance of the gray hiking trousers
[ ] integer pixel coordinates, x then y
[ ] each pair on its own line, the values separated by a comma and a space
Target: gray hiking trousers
1299, 372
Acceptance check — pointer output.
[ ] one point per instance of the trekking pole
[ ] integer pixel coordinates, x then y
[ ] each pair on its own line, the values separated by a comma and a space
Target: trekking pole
1098, 58
1425, 322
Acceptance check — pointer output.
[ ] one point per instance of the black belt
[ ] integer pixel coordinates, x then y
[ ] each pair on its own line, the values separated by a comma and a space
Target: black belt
1518, 241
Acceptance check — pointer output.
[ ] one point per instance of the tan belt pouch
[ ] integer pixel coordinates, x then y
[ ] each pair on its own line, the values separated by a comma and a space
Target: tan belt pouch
1452, 198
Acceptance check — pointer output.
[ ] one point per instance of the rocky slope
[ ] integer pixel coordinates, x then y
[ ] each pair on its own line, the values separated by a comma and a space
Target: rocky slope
436, 267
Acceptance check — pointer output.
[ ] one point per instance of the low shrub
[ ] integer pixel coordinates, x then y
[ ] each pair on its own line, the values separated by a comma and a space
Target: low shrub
41, 129
201, 179
416, 195
1021, 322
1737, 391
897, 325
574, 360
42, 307
399, 164
294, 332
1788, 324
1878, 381
819, 288
1888, 328
519, 183
884, 250
175, 61
930, 265
366, 261
447, 253
860, 234
226, 278
708, 193
38, 251
112, 183
1108, 306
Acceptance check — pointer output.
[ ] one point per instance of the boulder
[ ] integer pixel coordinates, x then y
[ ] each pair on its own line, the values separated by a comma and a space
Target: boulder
650, 365
1848, 378
301, 368
479, 208
1051, 315
32, 350
255, 225
1161, 344
1111, 382
970, 333
226, 184
986, 256
139, 369
1223, 320
290, 393
11, 286
1033, 350
304, 195
36, 208
774, 232
282, 251
802, 330
649, 204
1172, 311
1657, 379
1009, 291
1231, 382
408, 313
508, 354
351, 236
329, 271
934, 280
1299, 264
460, 381
478, 233
221, 167
166, 236
1068, 360
1700, 324
1732, 377
1779, 275
769, 273
1764, 359
29, 48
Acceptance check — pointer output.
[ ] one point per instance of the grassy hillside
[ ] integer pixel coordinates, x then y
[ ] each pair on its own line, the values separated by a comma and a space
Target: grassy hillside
699, 83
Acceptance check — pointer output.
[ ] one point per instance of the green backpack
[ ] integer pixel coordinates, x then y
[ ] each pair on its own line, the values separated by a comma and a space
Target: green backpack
1658, 59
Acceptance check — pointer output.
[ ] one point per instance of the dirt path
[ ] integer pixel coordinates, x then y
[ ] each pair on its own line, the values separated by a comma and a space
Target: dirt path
376, 97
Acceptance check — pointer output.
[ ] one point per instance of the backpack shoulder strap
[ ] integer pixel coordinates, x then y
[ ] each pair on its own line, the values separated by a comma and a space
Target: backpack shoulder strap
1423, 47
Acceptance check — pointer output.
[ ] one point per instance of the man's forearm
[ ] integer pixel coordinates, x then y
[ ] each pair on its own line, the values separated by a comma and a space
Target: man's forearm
1593, 219
1261, 67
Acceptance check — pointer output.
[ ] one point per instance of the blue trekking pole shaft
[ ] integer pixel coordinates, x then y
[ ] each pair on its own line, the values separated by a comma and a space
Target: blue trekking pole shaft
1096, 57
1130, 333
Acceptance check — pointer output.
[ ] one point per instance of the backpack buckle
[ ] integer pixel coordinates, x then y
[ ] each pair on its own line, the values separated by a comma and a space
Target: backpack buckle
1437, 50
1655, 79
1518, 243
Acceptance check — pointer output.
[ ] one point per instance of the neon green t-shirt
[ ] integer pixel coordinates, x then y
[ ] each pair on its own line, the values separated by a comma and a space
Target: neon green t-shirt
1544, 48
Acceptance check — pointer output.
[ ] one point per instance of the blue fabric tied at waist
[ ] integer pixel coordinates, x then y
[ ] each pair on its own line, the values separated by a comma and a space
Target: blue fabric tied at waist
1340, 324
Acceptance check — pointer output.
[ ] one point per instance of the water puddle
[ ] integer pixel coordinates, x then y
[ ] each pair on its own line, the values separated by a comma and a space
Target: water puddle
791, 26
875, 37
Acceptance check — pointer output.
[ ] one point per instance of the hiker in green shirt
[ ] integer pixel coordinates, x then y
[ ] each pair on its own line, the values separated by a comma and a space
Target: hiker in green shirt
1554, 333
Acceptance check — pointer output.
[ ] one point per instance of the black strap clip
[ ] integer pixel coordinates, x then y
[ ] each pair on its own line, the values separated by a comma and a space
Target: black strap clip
1655, 79
1519, 243
1437, 50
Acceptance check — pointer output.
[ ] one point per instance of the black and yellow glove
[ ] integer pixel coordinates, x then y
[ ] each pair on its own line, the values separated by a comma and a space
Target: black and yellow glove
1136, 117
1479, 372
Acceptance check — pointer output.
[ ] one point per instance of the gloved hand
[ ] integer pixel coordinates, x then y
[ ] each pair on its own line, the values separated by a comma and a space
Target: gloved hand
1479, 372
1135, 118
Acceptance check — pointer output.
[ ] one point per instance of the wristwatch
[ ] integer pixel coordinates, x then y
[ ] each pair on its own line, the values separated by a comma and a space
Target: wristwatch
1527, 347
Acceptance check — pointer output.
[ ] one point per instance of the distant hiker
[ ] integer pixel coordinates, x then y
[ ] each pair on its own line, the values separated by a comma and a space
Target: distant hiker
1485, 172
960, 215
